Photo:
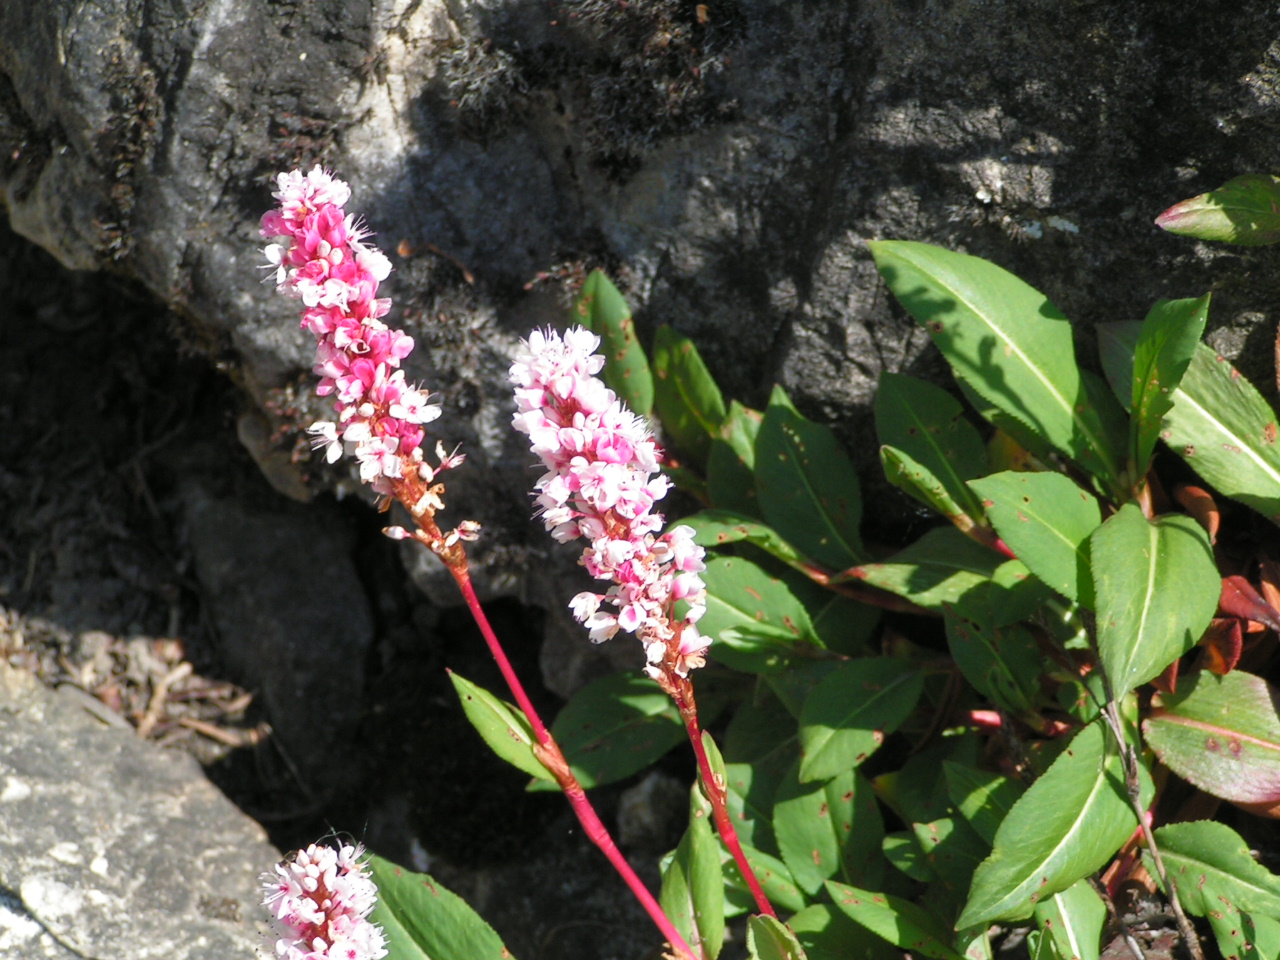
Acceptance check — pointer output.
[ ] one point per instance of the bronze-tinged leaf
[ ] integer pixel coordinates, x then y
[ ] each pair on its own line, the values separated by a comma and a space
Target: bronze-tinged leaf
1200, 504
1240, 599
1222, 642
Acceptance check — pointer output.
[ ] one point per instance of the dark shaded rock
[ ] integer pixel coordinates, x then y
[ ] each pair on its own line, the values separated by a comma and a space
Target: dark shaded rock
113, 849
292, 617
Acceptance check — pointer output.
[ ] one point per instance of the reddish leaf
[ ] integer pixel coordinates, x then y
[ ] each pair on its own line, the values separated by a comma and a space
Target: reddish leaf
1269, 581
1222, 644
1167, 681
1240, 599
1200, 504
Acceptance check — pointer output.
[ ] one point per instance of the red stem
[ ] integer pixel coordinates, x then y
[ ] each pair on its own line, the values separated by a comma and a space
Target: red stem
553, 759
715, 790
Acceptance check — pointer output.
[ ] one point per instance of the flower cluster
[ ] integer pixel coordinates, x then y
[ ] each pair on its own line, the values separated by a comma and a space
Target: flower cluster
319, 256
319, 902
601, 483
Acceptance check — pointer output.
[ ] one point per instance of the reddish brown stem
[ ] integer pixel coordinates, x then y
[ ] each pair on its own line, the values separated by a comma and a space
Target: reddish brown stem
553, 759
682, 694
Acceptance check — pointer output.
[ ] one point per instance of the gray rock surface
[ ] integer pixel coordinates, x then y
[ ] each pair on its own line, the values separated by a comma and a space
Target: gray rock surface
725, 161
111, 849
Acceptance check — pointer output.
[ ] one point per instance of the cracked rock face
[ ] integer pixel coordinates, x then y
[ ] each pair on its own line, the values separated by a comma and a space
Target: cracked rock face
726, 162
111, 849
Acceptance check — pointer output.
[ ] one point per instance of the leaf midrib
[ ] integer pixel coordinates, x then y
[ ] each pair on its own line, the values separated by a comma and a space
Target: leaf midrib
1241, 442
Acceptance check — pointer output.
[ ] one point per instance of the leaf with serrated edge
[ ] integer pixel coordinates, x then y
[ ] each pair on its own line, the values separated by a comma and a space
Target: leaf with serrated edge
928, 425
846, 717
1207, 860
1067, 825
940, 567
686, 398
899, 921
1046, 520
1157, 588
1221, 734
1073, 919
604, 311
424, 921
1009, 344
1244, 210
1166, 344
769, 939
916, 481
502, 726
807, 486
1244, 936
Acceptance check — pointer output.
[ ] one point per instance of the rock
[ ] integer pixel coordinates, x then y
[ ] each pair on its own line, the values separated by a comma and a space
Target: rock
726, 162
112, 849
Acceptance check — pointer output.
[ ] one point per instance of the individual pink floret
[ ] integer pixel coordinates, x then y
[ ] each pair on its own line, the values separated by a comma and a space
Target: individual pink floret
319, 902
601, 484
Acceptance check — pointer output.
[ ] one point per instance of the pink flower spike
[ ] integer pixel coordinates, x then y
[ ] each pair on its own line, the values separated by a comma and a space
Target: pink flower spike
319, 902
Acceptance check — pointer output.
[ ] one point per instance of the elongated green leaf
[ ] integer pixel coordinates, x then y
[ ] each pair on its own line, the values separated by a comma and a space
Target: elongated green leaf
851, 710
1210, 863
903, 850
1011, 346
916, 481
939, 568
692, 887
1244, 210
686, 399
1073, 920
502, 726
615, 726
1244, 936
928, 425
1166, 344
731, 463
1003, 662
826, 829
983, 798
828, 934
769, 939
718, 528
1157, 589
424, 921
953, 851
775, 879
1067, 825
1219, 423
1046, 520
1221, 734
807, 487
604, 311
899, 921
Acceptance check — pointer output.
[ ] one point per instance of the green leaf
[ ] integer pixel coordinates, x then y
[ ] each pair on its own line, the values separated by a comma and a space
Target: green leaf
1244, 210
899, 921
825, 829
1210, 863
686, 399
1157, 589
1067, 825
952, 849
1073, 920
903, 850
1046, 520
917, 792
616, 726
731, 464
1220, 424
769, 939
939, 568
755, 618
604, 311
916, 481
693, 888
1166, 344
828, 934
807, 487
1222, 735
1011, 346
503, 727
1002, 661
424, 921
1244, 936
851, 710
775, 880
983, 798
718, 528
928, 425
